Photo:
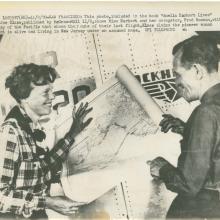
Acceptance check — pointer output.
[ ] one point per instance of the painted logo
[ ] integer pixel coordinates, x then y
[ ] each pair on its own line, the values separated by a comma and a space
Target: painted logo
160, 84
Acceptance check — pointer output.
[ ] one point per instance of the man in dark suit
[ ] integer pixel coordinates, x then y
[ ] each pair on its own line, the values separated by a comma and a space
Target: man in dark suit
196, 178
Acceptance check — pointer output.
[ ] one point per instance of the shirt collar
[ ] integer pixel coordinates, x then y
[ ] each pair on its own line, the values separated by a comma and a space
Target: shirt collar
30, 114
211, 93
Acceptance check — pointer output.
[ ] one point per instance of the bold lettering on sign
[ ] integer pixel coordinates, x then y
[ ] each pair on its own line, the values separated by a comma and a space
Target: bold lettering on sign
63, 93
80, 92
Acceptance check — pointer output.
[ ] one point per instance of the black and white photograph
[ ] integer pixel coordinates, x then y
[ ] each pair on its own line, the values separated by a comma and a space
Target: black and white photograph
109, 110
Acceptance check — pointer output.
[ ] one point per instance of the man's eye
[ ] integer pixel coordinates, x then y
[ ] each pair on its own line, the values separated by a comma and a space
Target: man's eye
180, 86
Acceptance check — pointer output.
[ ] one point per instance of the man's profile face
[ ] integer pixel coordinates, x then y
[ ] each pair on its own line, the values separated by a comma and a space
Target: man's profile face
186, 80
40, 99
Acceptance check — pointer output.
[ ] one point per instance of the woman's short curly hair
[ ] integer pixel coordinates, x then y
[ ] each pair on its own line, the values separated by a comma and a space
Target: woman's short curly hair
20, 80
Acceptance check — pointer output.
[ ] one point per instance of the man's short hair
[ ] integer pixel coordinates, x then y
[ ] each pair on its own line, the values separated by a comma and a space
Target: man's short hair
199, 49
20, 80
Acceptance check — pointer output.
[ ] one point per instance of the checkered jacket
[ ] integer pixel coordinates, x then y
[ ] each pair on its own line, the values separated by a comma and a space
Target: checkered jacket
23, 175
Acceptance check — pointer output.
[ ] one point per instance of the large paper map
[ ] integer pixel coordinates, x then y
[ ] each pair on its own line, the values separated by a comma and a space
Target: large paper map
116, 115
120, 137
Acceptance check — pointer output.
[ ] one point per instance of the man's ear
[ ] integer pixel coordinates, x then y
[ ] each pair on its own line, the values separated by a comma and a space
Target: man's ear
199, 70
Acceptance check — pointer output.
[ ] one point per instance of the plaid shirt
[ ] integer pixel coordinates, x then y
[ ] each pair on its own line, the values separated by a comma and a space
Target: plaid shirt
24, 177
